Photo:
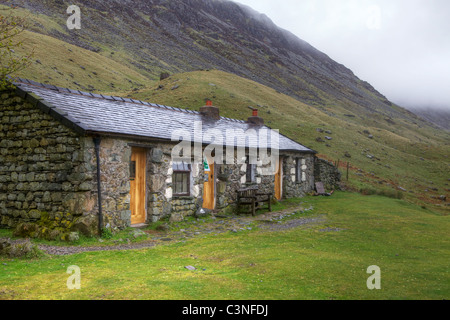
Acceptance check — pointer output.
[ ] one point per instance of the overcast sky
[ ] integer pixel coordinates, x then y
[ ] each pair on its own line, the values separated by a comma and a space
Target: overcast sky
401, 47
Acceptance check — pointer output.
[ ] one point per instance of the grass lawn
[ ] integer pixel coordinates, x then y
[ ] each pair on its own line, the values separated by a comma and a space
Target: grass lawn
326, 260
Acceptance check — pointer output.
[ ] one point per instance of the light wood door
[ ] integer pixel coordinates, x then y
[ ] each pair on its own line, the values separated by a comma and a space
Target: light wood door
209, 188
279, 181
137, 185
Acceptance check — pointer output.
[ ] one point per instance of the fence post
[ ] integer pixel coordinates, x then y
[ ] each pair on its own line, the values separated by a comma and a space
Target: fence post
348, 166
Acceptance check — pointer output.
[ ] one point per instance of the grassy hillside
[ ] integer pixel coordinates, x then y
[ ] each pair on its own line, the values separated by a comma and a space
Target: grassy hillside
324, 259
62, 64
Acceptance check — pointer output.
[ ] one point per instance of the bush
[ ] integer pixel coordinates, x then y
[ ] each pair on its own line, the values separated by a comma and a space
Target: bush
107, 233
394, 194
26, 230
368, 191
20, 250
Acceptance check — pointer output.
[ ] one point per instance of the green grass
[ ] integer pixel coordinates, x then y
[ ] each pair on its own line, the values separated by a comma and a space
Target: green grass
408, 243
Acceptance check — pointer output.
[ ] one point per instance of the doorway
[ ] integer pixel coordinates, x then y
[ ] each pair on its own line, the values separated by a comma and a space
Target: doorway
279, 180
138, 185
209, 187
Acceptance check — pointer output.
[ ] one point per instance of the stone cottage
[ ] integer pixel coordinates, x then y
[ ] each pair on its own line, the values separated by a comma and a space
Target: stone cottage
93, 160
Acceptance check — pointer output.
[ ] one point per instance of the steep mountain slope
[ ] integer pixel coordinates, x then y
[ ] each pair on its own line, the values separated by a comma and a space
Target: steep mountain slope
440, 117
187, 35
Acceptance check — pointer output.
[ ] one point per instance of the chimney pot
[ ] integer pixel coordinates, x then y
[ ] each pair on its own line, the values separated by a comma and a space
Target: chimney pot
255, 119
210, 111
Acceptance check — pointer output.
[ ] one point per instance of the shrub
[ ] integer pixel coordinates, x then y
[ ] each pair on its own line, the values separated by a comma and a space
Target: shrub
20, 250
107, 233
368, 191
394, 194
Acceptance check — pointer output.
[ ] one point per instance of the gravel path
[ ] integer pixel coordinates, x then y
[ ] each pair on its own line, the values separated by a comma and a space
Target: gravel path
273, 221
62, 251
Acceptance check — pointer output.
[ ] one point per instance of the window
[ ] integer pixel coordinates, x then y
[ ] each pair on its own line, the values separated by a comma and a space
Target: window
181, 179
132, 170
251, 172
298, 170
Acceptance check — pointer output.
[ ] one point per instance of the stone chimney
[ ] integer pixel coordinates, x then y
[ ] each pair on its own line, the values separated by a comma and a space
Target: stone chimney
210, 111
255, 119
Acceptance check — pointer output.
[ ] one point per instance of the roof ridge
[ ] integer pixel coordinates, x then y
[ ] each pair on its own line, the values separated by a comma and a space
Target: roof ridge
99, 96
112, 98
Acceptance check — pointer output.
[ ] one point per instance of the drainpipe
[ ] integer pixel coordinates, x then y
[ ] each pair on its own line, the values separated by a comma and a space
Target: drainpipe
97, 141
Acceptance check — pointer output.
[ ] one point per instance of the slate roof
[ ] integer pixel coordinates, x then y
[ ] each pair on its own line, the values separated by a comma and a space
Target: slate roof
90, 113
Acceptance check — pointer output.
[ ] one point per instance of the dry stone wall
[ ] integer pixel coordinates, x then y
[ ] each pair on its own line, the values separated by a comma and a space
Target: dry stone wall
327, 173
42, 170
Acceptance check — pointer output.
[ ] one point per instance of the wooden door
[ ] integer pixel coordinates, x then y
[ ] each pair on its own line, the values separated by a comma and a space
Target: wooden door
137, 185
279, 180
209, 199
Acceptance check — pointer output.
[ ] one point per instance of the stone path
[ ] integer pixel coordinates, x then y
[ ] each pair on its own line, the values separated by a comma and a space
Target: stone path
273, 221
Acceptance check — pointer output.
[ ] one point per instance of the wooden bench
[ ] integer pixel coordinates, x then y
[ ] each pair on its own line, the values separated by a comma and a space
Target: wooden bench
252, 197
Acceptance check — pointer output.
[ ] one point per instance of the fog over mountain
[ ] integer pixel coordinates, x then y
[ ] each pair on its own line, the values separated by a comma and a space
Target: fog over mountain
401, 47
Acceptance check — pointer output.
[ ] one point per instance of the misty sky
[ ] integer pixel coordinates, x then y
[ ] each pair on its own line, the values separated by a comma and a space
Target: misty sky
401, 47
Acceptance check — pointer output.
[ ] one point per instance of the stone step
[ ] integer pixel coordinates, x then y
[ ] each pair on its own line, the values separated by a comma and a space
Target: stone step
140, 225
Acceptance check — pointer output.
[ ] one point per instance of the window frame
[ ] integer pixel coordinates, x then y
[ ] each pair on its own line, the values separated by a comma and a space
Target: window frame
298, 170
187, 184
250, 174
132, 170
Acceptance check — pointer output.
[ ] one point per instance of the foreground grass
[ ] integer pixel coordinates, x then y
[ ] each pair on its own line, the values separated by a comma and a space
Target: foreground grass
408, 243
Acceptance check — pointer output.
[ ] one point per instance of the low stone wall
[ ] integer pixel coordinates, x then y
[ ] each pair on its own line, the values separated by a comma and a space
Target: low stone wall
327, 173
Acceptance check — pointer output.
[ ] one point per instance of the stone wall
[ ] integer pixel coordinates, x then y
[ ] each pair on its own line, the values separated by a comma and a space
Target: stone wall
162, 203
42, 168
115, 155
291, 187
233, 177
327, 173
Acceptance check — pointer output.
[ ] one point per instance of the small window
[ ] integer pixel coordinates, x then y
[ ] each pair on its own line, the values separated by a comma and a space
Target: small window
132, 170
181, 179
298, 170
251, 172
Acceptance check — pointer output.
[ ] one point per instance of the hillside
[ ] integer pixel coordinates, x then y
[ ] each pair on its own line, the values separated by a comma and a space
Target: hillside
228, 53
440, 117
